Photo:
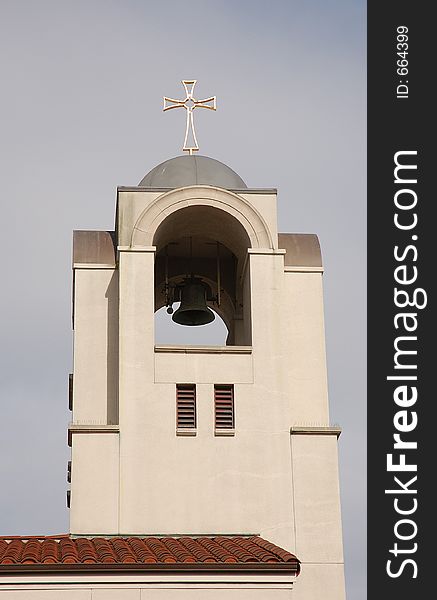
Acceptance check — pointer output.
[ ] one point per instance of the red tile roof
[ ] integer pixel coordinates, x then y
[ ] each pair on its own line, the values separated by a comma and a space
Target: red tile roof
218, 552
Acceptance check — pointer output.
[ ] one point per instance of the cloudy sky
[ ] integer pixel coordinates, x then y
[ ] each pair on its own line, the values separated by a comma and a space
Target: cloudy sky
80, 113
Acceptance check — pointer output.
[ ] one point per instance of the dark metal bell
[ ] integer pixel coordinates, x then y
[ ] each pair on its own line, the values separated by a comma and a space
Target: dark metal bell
193, 309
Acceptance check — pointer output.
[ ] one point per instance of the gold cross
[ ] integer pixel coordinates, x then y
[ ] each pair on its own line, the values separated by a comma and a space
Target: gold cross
190, 103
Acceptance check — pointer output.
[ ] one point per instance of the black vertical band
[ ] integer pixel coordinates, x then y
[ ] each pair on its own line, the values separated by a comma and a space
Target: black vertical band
401, 327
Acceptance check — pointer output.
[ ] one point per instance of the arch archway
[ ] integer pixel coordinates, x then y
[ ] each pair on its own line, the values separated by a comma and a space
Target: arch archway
201, 196
207, 238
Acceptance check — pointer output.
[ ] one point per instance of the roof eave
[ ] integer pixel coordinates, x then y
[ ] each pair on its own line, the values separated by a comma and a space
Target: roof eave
292, 568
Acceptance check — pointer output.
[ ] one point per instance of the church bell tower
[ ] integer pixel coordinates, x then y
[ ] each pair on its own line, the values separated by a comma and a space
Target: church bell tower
188, 440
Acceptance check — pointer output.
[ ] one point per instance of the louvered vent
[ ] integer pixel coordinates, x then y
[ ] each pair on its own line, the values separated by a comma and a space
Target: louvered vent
185, 406
224, 406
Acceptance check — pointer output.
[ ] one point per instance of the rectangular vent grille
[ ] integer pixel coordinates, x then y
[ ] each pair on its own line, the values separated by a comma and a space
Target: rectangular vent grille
186, 406
224, 406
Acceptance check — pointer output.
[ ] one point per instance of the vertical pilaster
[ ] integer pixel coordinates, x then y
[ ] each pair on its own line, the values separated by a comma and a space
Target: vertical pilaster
136, 367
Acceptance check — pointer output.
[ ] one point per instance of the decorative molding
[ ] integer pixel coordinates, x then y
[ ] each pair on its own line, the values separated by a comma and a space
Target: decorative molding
94, 266
244, 191
274, 252
136, 249
224, 432
90, 428
300, 269
186, 431
198, 195
319, 430
203, 349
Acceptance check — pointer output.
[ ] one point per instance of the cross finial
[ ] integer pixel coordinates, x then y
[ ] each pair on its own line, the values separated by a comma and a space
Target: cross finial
190, 103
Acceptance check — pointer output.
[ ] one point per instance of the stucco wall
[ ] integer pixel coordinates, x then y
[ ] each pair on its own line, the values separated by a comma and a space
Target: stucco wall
124, 586
95, 384
165, 593
95, 483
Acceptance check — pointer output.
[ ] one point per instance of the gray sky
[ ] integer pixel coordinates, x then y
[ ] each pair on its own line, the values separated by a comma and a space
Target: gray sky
80, 113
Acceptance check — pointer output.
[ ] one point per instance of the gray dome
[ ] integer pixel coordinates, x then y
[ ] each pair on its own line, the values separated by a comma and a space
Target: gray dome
192, 170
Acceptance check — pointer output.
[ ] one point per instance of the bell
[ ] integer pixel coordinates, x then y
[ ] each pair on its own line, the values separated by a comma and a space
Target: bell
193, 309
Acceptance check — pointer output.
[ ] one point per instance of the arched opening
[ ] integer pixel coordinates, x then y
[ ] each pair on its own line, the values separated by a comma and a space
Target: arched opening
206, 248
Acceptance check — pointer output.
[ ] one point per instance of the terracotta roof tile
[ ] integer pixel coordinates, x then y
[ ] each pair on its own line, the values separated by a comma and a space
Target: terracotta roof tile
196, 550
144, 552
272, 549
217, 551
32, 554
257, 550
49, 552
3, 546
124, 552
240, 552
69, 552
87, 551
179, 550
13, 552
104, 550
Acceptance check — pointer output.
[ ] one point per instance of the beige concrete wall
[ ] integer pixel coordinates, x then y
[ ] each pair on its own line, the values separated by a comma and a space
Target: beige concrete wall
136, 391
245, 336
303, 348
288, 341
21, 593
95, 346
94, 483
130, 204
146, 586
136, 321
225, 592
177, 592
205, 484
227, 367
317, 498
320, 582
265, 204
